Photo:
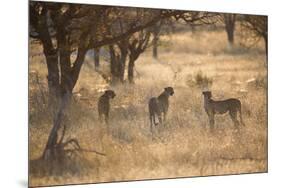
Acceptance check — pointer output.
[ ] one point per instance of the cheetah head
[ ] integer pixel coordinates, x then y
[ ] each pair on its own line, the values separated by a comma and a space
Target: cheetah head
207, 94
169, 90
110, 93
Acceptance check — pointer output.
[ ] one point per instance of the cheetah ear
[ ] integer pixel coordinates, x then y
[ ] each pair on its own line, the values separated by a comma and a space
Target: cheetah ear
166, 88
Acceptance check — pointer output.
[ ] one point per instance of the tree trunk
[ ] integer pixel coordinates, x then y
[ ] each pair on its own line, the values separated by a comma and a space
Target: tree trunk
122, 65
230, 35
53, 76
75, 71
229, 21
131, 66
156, 33
123, 46
155, 47
53, 81
113, 65
117, 67
51, 56
117, 64
65, 63
97, 57
193, 29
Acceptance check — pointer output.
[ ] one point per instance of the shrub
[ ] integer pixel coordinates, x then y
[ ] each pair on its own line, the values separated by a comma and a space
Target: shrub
261, 82
202, 80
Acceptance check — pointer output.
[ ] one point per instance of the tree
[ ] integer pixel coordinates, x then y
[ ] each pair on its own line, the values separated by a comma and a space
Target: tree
61, 28
130, 47
256, 28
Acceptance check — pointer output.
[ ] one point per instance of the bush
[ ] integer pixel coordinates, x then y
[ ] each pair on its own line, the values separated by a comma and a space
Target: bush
201, 80
261, 82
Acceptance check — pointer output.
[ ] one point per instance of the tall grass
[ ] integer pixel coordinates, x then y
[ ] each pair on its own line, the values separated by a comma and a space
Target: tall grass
185, 147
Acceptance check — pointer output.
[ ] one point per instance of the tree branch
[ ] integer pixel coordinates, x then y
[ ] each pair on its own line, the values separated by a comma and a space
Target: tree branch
130, 31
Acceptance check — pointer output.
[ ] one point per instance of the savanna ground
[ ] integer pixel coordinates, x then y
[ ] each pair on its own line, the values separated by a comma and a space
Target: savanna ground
185, 147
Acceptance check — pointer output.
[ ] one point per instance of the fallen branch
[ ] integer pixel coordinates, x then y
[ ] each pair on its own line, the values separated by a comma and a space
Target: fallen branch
85, 150
77, 147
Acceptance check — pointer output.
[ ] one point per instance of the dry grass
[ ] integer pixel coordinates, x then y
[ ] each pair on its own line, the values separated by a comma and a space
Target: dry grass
185, 147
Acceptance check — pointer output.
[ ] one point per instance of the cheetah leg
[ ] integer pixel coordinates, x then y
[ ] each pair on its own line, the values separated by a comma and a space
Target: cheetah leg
106, 118
100, 117
164, 118
211, 121
233, 116
241, 119
160, 119
151, 122
154, 120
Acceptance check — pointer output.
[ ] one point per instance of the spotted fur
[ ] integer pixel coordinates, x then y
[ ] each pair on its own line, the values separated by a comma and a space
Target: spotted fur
159, 106
212, 107
104, 104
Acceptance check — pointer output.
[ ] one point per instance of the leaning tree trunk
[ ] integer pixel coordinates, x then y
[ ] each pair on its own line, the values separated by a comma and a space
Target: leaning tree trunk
50, 148
54, 149
69, 80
